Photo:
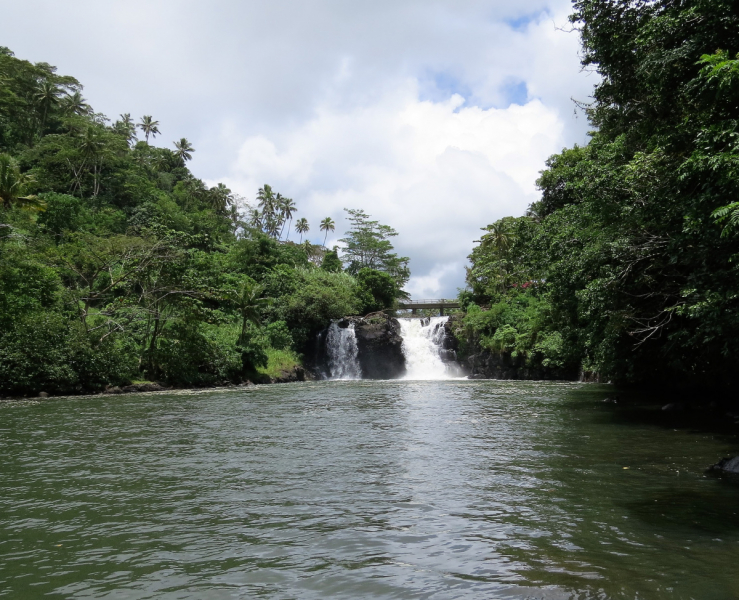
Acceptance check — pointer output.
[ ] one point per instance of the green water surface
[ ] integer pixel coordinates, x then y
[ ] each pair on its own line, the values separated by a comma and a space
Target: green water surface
436, 489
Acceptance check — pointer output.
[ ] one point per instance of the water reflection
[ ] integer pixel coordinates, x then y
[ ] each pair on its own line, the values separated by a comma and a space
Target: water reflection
443, 489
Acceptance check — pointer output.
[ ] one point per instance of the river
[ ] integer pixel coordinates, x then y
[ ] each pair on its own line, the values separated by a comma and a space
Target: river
362, 489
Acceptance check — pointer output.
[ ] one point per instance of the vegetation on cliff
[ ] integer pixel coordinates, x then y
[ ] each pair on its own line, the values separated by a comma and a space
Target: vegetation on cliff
628, 264
118, 264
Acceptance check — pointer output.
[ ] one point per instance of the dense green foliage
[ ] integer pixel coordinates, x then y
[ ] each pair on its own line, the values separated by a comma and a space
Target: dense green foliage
117, 264
368, 247
629, 258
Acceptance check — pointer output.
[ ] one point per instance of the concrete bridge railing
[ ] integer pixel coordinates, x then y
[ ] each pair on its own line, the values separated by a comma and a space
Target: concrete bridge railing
433, 304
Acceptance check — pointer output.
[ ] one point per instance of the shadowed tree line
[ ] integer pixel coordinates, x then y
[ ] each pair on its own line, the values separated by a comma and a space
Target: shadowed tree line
627, 265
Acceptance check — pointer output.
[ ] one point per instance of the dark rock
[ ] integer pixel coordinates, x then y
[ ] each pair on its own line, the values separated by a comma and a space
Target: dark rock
505, 366
590, 377
447, 355
246, 384
43, 395
380, 346
139, 387
449, 340
727, 465
296, 374
151, 387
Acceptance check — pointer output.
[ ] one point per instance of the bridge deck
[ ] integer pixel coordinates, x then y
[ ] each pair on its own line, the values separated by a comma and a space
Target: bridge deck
435, 304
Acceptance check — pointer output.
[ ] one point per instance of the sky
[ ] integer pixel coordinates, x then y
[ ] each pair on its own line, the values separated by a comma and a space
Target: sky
435, 117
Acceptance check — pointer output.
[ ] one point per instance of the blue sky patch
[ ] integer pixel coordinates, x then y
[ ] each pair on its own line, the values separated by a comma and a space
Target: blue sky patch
440, 86
515, 92
522, 22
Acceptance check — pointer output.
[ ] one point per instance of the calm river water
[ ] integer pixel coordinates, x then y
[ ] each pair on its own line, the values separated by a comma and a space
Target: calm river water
429, 489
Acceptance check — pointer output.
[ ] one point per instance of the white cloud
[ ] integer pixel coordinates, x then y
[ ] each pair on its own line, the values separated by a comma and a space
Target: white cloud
338, 103
435, 171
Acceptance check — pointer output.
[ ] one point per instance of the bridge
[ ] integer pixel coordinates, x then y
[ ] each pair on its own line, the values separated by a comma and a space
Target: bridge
438, 304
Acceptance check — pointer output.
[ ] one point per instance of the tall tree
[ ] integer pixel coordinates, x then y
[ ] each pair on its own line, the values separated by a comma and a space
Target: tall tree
301, 227
288, 208
149, 126
249, 305
47, 96
220, 198
75, 104
183, 150
14, 184
266, 199
255, 218
641, 278
327, 225
368, 246
126, 127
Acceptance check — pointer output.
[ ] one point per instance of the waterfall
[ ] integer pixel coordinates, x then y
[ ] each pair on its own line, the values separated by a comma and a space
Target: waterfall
341, 347
422, 339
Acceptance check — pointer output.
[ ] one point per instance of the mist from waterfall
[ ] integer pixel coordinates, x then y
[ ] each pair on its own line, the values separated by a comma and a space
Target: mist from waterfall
341, 347
422, 340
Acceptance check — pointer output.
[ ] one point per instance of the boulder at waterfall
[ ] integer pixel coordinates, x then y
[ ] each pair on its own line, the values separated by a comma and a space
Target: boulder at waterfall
380, 346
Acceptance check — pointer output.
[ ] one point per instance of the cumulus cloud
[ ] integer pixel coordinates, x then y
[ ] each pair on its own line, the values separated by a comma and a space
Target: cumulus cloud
435, 171
435, 116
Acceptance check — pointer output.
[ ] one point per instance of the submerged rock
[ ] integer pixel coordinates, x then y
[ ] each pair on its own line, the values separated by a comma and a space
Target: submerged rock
297, 373
143, 387
727, 465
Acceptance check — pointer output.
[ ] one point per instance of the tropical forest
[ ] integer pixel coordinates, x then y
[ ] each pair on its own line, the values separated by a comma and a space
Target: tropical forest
220, 379
118, 265
626, 268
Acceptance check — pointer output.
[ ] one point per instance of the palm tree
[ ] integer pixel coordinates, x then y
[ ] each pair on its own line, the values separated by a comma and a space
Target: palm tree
219, 197
127, 127
75, 104
255, 218
47, 96
13, 186
288, 208
233, 214
184, 150
327, 225
149, 126
267, 200
249, 305
500, 236
271, 225
301, 227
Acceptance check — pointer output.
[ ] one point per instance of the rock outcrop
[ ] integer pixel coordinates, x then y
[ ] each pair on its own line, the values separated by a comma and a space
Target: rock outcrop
297, 373
380, 345
486, 365
449, 344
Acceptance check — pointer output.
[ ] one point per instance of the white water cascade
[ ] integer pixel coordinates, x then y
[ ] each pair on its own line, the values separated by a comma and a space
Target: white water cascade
341, 347
422, 345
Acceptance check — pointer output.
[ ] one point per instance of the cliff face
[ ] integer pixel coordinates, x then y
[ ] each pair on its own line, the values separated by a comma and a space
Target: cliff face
486, 365
380, 346
449, 344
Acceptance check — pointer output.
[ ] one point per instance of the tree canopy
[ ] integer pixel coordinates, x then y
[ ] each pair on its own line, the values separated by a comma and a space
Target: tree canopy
117, 263
367, 246
632, 247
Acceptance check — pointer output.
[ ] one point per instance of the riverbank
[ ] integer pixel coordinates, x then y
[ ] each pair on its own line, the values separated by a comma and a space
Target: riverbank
283, 366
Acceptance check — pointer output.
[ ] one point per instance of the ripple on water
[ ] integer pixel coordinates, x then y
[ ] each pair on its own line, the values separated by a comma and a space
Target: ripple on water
410, 489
